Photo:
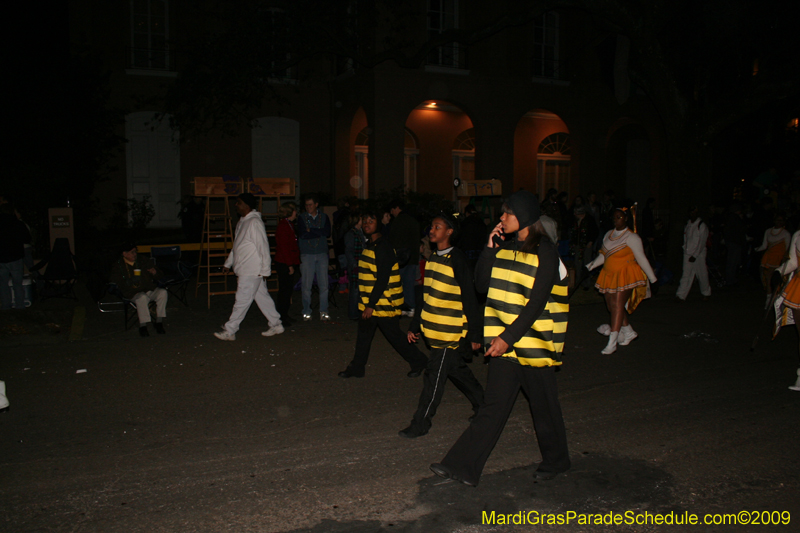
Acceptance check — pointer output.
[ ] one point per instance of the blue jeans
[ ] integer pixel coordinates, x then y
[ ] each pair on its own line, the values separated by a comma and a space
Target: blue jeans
12, 271
311, 264
408, 275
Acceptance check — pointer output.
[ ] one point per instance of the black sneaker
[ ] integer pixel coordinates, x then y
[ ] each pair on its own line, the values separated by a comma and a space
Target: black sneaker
160, 328
143, 331
412, 432
349, 372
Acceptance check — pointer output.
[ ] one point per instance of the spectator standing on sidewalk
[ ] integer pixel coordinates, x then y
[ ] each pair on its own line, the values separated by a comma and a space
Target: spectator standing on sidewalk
313, 230
287, 259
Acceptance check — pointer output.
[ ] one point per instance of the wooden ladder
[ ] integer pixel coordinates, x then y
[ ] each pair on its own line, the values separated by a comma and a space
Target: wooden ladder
217, 244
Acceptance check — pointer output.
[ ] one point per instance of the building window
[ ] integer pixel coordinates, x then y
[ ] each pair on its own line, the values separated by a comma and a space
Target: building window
544, 62
350, 31
443, 16
464, 155
277, 27
553, 164
149, 34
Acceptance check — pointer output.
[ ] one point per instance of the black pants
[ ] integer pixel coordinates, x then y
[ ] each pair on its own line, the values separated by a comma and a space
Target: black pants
468, 455
445, 363
390, 327
286, 283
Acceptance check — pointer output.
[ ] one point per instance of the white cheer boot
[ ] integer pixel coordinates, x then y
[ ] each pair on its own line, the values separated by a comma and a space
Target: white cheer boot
626, 335
796, 386
611, 347
4, 400
604, 329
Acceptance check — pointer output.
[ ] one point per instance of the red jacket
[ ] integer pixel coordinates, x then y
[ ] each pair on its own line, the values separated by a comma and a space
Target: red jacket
286, 249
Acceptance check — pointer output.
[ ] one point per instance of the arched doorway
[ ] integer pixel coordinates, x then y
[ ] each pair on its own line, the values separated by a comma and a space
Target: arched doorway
445, 146
540, 160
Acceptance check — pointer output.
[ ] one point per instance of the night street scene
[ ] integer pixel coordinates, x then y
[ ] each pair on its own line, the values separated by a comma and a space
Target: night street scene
361, 266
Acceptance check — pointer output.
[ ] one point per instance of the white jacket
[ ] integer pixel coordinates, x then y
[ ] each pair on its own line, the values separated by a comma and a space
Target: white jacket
695, 237
250, 253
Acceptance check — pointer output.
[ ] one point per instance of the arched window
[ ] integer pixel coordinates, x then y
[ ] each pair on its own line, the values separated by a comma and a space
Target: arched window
553, 163
464, 155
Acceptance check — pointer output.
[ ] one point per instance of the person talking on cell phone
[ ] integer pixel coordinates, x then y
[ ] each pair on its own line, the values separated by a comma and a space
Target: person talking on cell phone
524, 328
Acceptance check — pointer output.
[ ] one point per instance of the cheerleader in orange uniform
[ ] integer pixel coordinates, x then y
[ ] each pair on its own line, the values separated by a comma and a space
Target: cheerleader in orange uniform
623, 280
791, 293
776, 242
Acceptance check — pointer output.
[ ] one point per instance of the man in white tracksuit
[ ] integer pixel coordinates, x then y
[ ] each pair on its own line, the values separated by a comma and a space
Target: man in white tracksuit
251, 262
695, 236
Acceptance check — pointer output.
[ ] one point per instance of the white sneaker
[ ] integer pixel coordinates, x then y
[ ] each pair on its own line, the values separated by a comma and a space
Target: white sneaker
224, 335
274, 330
611, 347
306, 318
604, 329
626, 335
324, 317
409, 313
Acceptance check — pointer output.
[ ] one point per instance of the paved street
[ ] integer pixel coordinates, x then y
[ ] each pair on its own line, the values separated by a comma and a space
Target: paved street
184, 432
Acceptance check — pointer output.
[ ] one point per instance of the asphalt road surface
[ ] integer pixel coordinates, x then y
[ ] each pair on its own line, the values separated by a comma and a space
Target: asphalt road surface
183, 432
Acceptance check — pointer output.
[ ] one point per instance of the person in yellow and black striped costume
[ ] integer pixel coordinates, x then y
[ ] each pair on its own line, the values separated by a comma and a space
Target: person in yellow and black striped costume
381, 295
525, 325
451, 323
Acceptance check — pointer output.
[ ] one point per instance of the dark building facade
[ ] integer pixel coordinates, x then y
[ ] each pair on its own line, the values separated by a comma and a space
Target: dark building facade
540, 103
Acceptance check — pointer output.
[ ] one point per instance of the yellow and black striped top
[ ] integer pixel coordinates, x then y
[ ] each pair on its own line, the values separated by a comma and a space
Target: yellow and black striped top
389, 302
443, 321
513, 275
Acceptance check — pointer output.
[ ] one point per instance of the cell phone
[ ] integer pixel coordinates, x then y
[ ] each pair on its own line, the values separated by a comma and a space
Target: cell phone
498, 240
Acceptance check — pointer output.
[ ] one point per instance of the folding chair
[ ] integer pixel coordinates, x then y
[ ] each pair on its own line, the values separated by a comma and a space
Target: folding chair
60, 275
176, 273
120, 304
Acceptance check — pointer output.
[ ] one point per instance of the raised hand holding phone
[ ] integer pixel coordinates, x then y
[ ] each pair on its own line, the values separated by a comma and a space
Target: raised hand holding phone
496, 236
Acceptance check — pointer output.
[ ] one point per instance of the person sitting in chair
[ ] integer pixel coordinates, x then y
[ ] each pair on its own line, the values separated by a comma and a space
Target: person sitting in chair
137, 281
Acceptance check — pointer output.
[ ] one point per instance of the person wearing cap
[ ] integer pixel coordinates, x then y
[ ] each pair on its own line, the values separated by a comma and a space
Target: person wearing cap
623, 280
250, 261
450, 320
525, 326
695, 237
137, 281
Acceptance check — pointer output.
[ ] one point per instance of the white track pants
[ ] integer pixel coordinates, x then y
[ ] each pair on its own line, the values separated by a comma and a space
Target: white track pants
690, 270
249, 288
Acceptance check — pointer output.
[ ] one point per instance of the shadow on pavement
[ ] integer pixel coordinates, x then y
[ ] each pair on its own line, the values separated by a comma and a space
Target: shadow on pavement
594, 485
